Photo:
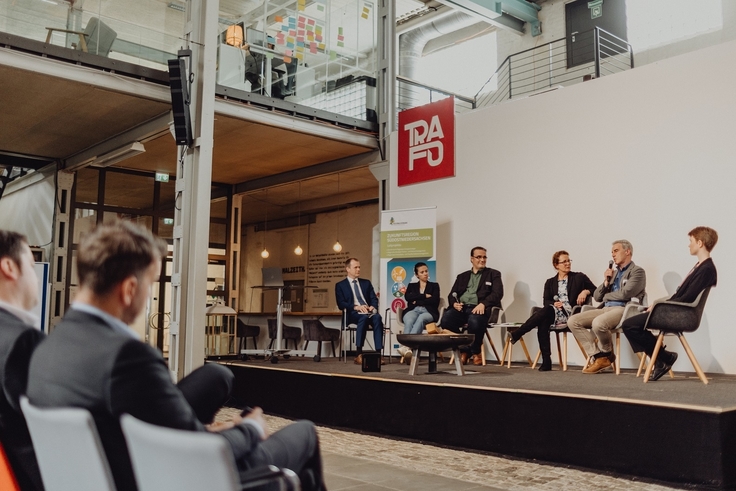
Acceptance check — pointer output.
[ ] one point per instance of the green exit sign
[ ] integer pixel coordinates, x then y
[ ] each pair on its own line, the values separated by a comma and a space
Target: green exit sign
162, 177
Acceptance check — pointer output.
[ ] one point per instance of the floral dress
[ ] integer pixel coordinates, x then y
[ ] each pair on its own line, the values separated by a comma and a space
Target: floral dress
562, 314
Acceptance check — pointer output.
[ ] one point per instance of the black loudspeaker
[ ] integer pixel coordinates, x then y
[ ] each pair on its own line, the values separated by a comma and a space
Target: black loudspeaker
371, 362
178, 84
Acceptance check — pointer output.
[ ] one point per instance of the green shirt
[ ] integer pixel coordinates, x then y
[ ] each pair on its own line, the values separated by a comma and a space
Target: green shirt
470, 296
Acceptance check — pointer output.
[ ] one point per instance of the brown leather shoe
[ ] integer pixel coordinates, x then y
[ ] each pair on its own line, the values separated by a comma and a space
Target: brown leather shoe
383, 360
598, 365
464, 358
358, 360
477, 360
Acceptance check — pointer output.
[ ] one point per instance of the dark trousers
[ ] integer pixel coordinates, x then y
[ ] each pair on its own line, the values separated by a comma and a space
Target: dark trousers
541, 319
207, 389
454, 320
639, 338
294, 447
362, 321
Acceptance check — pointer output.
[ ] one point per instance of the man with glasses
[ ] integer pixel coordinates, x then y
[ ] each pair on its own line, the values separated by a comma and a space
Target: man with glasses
471, 299
621, 284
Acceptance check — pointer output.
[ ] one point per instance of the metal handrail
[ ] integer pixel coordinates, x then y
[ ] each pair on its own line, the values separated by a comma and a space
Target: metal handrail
459, 97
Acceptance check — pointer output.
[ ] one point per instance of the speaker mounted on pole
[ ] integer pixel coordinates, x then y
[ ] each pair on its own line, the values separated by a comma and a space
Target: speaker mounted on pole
179, 87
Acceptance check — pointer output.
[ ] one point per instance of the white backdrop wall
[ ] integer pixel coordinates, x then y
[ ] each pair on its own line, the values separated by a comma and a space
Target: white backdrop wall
644, 155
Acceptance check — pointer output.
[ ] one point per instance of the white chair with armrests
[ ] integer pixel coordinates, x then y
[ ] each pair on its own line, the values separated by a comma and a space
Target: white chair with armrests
165, 459
68, 448
97, 37
630, 309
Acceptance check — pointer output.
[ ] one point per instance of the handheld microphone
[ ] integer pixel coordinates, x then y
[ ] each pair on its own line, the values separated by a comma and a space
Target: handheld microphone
556, 298
454, 295
610, 266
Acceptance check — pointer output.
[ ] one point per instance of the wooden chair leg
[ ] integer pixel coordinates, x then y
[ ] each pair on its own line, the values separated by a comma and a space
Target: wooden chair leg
483, 353
653, 358
585, 354
536, 359
526, 351
506, 347
617, 363
690, 355
493, 346
642, 360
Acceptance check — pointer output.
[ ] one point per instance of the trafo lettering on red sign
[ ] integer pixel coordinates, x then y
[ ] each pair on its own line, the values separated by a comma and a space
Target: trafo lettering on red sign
427, 142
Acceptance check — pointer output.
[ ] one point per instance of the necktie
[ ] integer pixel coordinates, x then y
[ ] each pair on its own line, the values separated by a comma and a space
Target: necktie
358, 296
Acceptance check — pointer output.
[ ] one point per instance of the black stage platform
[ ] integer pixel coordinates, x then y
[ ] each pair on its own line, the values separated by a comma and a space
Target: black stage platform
677, 430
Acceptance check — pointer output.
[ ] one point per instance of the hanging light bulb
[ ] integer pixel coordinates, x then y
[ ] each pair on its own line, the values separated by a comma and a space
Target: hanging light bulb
298, 251
338, 247
264, 253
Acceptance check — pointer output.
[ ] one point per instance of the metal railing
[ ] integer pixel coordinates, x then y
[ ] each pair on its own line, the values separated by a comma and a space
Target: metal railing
566, 61
414, 94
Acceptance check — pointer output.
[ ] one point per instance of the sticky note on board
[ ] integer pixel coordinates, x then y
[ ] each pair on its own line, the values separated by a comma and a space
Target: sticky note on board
333, 55
341, 38
321, 8
313, 48
310, 22
299, 56
287, 59
339, 31
364, 15
288, 53
278, 18
340, 44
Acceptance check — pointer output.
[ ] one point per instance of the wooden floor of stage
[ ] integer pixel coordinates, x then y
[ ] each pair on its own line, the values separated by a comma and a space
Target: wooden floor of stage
685, 390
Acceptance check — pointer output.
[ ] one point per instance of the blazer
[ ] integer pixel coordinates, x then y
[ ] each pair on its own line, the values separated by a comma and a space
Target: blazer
344, 294
633, 284
490, 289
576, 283
85, 363
704, 276
414, 298
17, 342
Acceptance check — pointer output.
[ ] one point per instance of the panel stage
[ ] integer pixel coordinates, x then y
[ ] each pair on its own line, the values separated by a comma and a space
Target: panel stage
676, 430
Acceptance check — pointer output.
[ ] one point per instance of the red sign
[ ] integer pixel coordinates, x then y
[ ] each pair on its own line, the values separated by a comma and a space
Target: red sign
427, 142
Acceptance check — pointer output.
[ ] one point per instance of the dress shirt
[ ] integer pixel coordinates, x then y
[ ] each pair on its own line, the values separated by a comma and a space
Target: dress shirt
617, 286
116, 324
24, 315
356, 301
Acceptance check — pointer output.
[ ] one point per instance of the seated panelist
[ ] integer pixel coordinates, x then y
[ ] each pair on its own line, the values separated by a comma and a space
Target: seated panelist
423, 299
356, 297
561, 292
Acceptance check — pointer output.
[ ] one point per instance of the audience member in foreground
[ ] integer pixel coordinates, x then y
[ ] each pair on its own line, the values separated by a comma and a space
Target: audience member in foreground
18, 339
473, 295
561, 292
702, 276
622, 284
94, 360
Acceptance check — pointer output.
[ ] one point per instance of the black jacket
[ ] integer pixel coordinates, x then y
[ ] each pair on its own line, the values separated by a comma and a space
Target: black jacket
17, 342
490, 289
576, 283
414, 298
704, 276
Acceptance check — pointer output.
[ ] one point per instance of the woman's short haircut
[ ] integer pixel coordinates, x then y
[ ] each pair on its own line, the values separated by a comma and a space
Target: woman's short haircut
556, 257
11, 245
417, 266
111, 253
707, 235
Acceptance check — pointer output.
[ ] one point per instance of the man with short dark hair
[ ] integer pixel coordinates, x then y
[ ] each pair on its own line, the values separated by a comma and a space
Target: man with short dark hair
357, 299
471, 300
94, 360
18, 339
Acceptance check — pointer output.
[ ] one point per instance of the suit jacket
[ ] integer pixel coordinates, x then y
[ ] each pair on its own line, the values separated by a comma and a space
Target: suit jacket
704, 276
633, 284
344, 294
17, 342
414, 298
576, 283
490, 289
85, 363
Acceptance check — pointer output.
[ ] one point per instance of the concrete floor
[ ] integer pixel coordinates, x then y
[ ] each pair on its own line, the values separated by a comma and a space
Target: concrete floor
359, 462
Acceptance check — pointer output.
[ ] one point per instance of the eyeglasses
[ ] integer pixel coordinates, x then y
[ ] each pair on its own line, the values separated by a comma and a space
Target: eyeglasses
569, 261
480, 257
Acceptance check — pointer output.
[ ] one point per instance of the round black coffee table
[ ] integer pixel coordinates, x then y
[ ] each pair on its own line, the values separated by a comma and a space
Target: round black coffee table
432, 343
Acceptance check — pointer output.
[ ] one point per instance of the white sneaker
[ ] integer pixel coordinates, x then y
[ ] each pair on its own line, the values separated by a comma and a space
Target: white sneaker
405, 353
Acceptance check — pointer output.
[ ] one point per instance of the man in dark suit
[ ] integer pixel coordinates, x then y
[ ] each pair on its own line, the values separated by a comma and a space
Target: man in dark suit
18, 339
357, 299
94, 360
472, 297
